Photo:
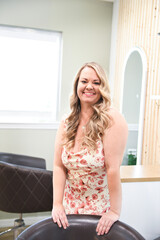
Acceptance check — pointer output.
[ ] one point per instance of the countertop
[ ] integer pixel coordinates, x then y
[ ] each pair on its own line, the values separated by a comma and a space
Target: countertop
140, 173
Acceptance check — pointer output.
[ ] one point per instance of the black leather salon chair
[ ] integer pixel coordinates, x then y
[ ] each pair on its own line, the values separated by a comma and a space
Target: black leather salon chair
25, 185
80, 227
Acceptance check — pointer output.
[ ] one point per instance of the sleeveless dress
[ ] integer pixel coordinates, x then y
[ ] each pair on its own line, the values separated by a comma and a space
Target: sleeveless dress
86, 190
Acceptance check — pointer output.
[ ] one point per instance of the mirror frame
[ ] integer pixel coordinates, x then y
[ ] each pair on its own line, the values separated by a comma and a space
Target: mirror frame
142, 99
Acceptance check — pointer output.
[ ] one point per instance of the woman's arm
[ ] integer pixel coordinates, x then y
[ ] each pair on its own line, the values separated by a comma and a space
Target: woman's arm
114, 142
59, 180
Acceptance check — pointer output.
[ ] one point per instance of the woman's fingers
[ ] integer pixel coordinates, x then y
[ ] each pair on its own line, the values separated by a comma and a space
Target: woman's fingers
58, 222
104, 226
106, 222
59, 217
64, 221
61, 221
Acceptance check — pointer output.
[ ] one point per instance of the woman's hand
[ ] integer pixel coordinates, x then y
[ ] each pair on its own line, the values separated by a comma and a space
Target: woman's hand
105, 222
59, 216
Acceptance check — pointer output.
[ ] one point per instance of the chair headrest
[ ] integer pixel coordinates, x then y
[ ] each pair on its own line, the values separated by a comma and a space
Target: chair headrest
23, 160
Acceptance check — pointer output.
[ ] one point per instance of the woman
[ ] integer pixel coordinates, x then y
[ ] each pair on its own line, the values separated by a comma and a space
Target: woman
89, 150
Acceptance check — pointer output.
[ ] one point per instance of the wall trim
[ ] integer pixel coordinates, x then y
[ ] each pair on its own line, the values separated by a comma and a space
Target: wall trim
54, 125
133, 127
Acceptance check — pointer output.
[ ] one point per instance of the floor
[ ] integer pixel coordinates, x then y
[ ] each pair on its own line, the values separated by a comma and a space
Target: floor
12, 235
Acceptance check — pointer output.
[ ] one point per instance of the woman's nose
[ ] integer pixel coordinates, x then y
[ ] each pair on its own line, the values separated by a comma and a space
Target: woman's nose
89, 86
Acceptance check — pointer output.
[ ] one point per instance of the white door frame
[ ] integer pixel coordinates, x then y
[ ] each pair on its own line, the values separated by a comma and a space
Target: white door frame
140, 126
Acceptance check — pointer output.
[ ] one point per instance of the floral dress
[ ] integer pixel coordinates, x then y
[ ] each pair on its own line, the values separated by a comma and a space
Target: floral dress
86, 190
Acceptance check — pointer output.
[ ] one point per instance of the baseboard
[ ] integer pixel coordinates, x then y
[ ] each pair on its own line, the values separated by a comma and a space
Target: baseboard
27, 220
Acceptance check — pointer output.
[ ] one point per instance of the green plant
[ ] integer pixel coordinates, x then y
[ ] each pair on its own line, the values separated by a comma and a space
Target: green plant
132, 159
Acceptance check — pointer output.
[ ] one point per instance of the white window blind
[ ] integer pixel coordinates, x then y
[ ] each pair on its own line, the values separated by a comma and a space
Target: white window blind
30, 64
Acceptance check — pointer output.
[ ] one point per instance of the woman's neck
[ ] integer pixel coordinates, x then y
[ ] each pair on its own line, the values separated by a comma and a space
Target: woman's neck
85, 115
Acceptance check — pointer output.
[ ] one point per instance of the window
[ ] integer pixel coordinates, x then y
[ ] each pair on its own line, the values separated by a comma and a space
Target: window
30, 63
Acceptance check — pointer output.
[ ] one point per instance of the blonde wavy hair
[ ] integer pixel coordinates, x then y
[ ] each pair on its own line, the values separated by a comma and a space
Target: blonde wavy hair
99, 121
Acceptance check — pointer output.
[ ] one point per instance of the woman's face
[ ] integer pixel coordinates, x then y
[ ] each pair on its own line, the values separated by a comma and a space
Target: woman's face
88, 86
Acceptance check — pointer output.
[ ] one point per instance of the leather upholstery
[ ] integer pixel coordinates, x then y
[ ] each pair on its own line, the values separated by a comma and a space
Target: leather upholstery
22, 160
25, 184
80, 227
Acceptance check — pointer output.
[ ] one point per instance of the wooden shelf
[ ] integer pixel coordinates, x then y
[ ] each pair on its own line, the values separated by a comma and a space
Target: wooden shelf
140, 173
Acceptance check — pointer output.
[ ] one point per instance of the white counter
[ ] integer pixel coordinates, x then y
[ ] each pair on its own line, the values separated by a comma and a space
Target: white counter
141, 199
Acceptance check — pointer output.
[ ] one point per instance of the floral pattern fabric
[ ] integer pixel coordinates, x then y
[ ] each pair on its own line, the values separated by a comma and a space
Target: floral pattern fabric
86, 190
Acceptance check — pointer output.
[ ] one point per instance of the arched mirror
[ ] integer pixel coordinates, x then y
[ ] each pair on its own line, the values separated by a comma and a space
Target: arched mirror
133, 103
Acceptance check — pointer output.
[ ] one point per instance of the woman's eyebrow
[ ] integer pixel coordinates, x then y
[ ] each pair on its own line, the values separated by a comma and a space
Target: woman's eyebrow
96, 80
84, 78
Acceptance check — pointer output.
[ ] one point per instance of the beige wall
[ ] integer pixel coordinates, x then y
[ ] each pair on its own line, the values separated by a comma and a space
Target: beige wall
86, 28
138, 25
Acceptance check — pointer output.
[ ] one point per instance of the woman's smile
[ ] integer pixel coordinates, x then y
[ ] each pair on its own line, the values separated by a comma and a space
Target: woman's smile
89, 94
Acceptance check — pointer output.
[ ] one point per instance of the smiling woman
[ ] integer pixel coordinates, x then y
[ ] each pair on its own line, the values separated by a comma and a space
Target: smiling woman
86, 177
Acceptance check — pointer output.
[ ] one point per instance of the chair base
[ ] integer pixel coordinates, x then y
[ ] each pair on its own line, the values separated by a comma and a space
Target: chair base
18, 228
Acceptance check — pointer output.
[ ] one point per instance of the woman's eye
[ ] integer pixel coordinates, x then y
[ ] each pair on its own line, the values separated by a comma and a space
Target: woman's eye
83, 81
97, 83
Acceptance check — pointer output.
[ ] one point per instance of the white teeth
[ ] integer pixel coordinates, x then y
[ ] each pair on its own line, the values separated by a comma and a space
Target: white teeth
90, 94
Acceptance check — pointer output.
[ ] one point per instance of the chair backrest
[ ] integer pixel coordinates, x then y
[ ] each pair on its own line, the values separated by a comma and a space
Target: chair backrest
23, 160
81, 227
25, 189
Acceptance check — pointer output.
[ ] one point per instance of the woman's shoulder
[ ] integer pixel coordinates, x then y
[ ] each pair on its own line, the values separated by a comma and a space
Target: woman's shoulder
117, 118
115, 113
